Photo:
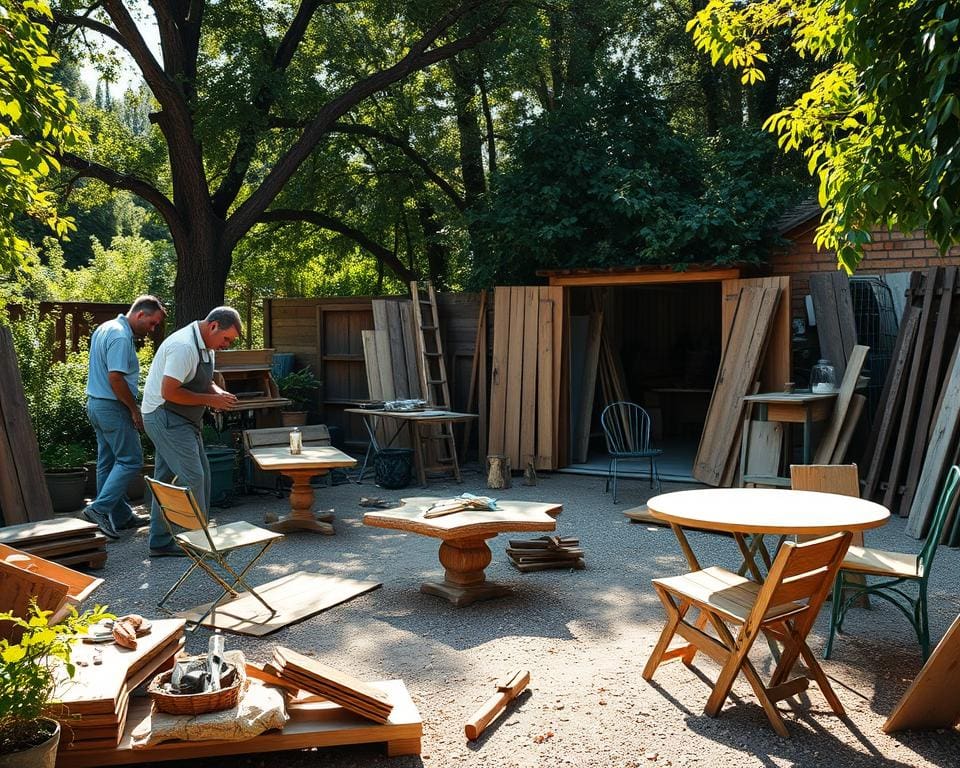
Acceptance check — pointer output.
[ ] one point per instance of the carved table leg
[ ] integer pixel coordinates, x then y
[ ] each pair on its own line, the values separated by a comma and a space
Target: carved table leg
464, 582
301, 517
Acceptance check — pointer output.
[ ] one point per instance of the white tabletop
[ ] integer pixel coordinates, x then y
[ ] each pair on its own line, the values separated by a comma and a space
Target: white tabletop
767, 510
278, 457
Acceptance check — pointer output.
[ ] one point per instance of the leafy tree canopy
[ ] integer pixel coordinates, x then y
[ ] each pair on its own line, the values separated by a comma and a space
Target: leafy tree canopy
880, 125
37, 121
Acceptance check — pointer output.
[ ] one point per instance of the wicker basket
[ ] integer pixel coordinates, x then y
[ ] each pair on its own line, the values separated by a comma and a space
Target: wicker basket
198, 703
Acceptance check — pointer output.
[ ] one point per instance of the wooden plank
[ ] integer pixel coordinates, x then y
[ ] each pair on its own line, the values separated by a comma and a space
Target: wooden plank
762, 447
931, 701
398, 357
777, 368
528, 414
79, 585
23, 491
478, 348
18, 587
931, 387
372, 362
514, 392
850, 422
890, 403
939, 452
561, 375
498, 373
665, 275
483, 383
408, 333
45, 530
591, 361
828, 442
747, 339
836, 327
546, 418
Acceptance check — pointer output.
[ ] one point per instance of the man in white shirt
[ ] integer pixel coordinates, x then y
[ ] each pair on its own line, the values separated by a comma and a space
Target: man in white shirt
179, 388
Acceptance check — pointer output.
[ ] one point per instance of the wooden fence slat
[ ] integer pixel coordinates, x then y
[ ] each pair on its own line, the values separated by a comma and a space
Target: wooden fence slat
849, 427
584, 417
409, 333
828, 442
545, 402
833, 307
528, 413
498, 374
511, 426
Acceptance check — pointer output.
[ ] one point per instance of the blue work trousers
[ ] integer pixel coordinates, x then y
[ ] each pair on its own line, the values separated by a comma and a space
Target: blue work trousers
119, 457
179, 455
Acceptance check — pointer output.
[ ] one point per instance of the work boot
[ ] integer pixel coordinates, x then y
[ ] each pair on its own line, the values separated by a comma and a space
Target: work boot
101, 521
135, 521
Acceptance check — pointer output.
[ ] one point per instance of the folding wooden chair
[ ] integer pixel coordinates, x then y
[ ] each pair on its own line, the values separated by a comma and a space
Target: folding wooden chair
784, 608
209, 546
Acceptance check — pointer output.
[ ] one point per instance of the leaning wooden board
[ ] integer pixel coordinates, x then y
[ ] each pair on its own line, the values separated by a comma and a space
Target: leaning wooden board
314, 724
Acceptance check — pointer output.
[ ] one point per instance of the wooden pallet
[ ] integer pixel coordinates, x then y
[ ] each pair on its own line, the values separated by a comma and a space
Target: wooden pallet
545, 553
65, 540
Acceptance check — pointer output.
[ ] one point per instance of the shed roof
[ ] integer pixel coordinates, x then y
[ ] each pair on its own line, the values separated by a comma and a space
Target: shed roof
640, 274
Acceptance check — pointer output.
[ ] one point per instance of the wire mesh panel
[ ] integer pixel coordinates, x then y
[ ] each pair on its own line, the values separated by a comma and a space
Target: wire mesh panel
877, 326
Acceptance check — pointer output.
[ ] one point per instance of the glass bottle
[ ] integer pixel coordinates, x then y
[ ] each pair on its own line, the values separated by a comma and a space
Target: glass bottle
215, 661
823, 378
296, 441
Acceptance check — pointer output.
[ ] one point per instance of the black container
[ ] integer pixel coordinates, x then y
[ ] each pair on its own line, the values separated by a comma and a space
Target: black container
393, 467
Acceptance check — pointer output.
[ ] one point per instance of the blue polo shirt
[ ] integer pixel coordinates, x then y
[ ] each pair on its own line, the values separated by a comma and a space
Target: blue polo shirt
112, 349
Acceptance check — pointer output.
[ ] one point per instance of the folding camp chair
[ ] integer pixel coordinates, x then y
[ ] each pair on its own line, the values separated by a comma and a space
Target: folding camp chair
209, 546
783, 608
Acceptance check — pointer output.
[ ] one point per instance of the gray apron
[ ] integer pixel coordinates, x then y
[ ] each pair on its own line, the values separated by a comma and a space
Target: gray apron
200, 383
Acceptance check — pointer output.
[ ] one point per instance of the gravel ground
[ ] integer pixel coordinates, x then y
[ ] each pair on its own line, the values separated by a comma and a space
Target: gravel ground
584, 636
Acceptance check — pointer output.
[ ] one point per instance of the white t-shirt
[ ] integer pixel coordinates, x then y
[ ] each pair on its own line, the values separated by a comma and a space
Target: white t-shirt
177, 357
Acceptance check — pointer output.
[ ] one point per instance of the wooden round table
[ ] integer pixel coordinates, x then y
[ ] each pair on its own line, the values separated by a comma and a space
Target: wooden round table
745, 511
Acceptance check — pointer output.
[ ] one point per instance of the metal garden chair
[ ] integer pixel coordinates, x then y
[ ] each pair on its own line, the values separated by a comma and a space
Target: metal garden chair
626, 427
209, 546
783, 608
897, 571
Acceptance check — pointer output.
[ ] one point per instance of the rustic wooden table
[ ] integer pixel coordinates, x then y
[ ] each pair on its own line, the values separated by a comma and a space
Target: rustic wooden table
464, 553
314, 460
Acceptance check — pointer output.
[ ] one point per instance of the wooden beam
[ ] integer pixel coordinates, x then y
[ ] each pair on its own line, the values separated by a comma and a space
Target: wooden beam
644, 278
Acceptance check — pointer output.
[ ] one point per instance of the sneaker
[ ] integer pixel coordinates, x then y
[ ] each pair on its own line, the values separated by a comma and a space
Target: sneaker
171, 551
101, 521
136, 521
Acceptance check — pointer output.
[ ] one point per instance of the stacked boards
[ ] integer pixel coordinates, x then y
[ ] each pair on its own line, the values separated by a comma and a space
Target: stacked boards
339, 687
545, 553
94, 704
64, 540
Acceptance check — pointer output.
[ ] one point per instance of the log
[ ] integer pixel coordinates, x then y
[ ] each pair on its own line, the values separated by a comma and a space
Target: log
498, 471
530, 474
507, 691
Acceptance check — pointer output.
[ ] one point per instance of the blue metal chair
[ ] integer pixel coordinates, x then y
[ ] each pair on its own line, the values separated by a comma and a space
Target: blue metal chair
896, 570
627, 429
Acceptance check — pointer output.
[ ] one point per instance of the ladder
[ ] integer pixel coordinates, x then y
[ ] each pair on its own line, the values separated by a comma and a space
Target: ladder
434, 443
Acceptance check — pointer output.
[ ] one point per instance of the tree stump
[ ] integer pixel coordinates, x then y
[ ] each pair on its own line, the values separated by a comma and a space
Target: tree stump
498, 471
530, 474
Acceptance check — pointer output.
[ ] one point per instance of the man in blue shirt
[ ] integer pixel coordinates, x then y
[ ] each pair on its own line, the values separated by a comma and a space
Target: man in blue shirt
112, 387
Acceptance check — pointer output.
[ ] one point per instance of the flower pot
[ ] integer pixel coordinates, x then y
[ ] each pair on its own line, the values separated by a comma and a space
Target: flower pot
66, 488
293, 418
43, 755
137, 487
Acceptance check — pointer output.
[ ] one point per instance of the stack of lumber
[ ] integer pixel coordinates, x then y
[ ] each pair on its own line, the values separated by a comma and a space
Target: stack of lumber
339, 687
94, 704
525, 385
390, 352
65, 540
750, 329
914, 438
545, 553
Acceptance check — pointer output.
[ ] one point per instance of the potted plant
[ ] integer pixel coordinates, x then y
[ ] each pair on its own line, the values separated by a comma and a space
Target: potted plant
66, 475
31, 669
300, 387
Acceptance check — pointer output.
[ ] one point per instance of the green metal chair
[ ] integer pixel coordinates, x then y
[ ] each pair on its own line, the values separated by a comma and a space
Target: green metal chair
897, 570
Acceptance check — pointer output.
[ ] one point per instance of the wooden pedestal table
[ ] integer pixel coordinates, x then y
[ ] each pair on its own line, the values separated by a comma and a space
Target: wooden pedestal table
313, 461
464, 553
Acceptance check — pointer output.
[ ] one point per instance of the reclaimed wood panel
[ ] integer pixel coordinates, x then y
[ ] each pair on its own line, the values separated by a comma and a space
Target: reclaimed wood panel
511, 428
833, 307
528, 414
828, 442
777, 368
546, 420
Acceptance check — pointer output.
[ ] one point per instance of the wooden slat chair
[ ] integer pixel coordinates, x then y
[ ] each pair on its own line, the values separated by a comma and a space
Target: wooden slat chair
209, 546
783, 608
896, 570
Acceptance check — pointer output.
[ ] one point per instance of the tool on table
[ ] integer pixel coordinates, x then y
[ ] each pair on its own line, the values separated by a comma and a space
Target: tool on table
461, 503
507, 690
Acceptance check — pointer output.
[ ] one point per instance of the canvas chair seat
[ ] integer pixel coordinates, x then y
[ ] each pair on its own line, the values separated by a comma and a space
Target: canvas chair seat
225, 538
783, 609
879, 562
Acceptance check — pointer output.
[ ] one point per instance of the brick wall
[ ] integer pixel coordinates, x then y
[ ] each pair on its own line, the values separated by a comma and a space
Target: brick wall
889, 252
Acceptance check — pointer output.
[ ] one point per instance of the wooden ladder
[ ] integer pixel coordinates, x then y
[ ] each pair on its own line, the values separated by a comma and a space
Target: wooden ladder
434, 443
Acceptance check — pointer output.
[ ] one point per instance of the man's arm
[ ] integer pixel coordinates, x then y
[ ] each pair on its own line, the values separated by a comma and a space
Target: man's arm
119, 386
173, 390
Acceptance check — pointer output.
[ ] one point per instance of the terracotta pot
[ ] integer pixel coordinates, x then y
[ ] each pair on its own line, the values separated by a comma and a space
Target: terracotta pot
66, 488
41, 756
293, 418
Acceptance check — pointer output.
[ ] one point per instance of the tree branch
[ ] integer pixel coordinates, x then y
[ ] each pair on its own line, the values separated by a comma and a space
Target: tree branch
129, 182
93, 25
416, 59
264, 99
384, 255
415, 157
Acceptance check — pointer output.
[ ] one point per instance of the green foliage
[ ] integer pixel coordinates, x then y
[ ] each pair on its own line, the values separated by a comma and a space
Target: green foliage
604, 181
37, 120
29, 673
55, 393
880, 126
300, 387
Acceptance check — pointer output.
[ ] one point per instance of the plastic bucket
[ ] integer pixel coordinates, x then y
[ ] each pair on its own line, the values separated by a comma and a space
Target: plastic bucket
221, 462
393, 467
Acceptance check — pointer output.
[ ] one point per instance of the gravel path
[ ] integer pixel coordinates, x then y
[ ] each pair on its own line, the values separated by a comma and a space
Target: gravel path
584, 636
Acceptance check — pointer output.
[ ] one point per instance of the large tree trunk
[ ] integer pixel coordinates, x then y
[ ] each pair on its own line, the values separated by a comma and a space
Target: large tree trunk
203, 263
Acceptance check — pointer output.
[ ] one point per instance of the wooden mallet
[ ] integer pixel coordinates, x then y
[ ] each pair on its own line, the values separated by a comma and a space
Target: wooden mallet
507, 690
